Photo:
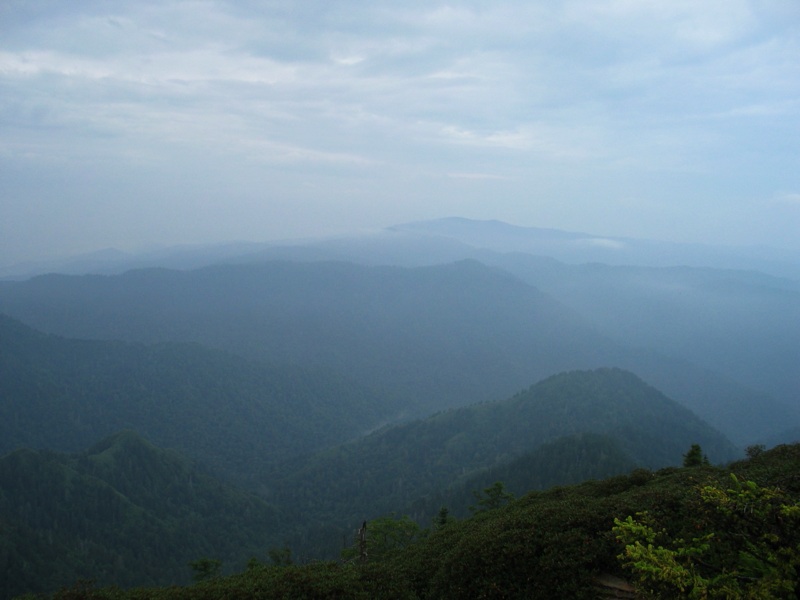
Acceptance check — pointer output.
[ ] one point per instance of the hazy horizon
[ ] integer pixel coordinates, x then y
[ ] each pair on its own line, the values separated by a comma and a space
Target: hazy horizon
131, 251
153, 124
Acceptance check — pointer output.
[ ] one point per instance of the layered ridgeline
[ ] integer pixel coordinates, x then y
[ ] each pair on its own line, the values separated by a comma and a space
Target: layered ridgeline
229, 413
422, 465
435, 337
124, 512
730, 311
438, 336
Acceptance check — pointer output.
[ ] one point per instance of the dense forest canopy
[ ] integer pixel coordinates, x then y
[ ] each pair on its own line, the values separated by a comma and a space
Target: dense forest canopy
565, 542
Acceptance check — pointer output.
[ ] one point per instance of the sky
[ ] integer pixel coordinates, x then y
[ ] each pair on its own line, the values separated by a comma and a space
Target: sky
140, 124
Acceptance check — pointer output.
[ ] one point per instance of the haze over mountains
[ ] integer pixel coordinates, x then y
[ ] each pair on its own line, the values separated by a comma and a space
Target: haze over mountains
725, 342
432, 242
338, 380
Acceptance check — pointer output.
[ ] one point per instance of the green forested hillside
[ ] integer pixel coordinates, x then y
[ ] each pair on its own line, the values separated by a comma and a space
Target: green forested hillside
123, 512
559, 543
127, 513
567, 460
124, 496
554, 544
392, 468
231, 414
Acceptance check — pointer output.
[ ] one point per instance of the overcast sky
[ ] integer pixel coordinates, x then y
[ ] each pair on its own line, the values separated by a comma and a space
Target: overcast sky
139, 123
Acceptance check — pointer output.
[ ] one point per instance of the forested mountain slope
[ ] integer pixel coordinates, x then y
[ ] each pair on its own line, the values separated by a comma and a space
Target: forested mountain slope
229, 413
432, 337
566, 460
558, 543
554, 544
123, 512
392, 468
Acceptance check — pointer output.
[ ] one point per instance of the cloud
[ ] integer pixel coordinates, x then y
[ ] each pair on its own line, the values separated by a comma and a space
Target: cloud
270, 152
477, 176
791, 199
679, 28
577, 102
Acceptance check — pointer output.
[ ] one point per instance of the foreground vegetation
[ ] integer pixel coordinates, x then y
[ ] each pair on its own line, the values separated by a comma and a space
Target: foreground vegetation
710, 532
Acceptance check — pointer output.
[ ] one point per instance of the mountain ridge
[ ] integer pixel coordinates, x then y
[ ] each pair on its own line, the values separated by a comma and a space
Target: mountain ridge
415, 460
